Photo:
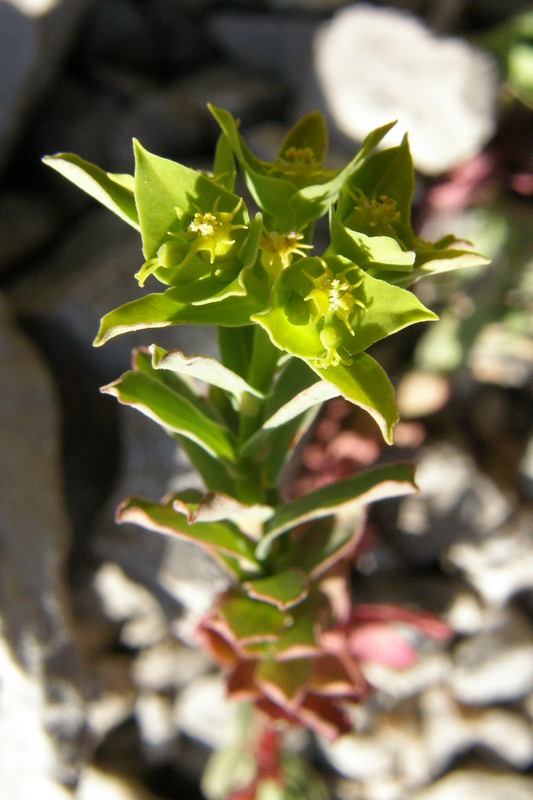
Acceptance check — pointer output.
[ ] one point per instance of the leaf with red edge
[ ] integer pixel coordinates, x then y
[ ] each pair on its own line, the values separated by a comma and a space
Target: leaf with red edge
389, 480
282, 589
283, 681
223, 541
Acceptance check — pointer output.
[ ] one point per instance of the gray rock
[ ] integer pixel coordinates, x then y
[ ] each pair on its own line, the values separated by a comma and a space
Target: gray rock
456, 503
28, 221
41, 714
33, 40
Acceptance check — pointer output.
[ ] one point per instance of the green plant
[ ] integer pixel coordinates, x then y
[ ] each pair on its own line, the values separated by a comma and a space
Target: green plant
293, 328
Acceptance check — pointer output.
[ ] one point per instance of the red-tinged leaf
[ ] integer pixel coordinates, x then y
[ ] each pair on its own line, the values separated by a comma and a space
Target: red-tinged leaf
225, 543
283, 681
320, 547
389, 480
215, 506
283, 589
251, 621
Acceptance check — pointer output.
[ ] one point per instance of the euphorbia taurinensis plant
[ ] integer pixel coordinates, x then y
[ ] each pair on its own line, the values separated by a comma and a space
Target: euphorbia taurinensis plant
294, 325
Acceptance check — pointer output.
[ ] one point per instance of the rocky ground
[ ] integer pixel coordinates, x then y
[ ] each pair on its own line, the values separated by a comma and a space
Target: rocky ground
102, 692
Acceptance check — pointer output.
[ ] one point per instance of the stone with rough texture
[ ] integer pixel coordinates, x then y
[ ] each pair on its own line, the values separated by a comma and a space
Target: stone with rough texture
34, 38
40, 665
496, 665
376, 65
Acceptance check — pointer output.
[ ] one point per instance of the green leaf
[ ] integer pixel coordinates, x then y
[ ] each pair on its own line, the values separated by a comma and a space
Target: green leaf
386, 174
309, 132
391, 480
271, 193
168, 194
205, 369
284, 679
315, 200
224, 169
369, 252
115, 192
159, 310
321, 546
223, 541
379, 308
283, 589
216, 506
366, 384
215, 478
173, 412
432, 258
252, 622
294, 392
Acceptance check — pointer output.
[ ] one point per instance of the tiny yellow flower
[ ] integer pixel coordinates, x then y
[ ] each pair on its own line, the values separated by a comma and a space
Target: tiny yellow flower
213, 231
279, 248
333, 299
378, 215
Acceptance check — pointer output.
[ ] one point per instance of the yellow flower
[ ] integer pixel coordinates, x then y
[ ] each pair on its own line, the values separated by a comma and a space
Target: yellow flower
279, 248
213, 231
333, 299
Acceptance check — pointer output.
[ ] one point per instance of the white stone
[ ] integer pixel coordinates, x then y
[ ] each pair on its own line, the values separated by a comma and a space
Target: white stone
495, 665
204, 713
27, 755
377, 65
470, 784
502, 565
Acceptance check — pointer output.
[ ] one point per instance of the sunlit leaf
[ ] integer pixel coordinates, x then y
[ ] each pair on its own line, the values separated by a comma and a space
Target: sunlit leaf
390, 480
223, 541
115, 192
203, 368
282, 589
172, 411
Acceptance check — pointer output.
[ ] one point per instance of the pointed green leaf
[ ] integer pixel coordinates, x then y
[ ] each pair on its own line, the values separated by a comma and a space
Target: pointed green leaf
173, 412
205, 369
210, 468
294, 380
216, 506
283, 589
387, 174
315, 200
159, 310
391, 480
369, 252
447, 254
168, 194
309, 132
224, 170
378, 308
251, 621
320, 547
366, 384
115, 192
271, 193
223, 541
